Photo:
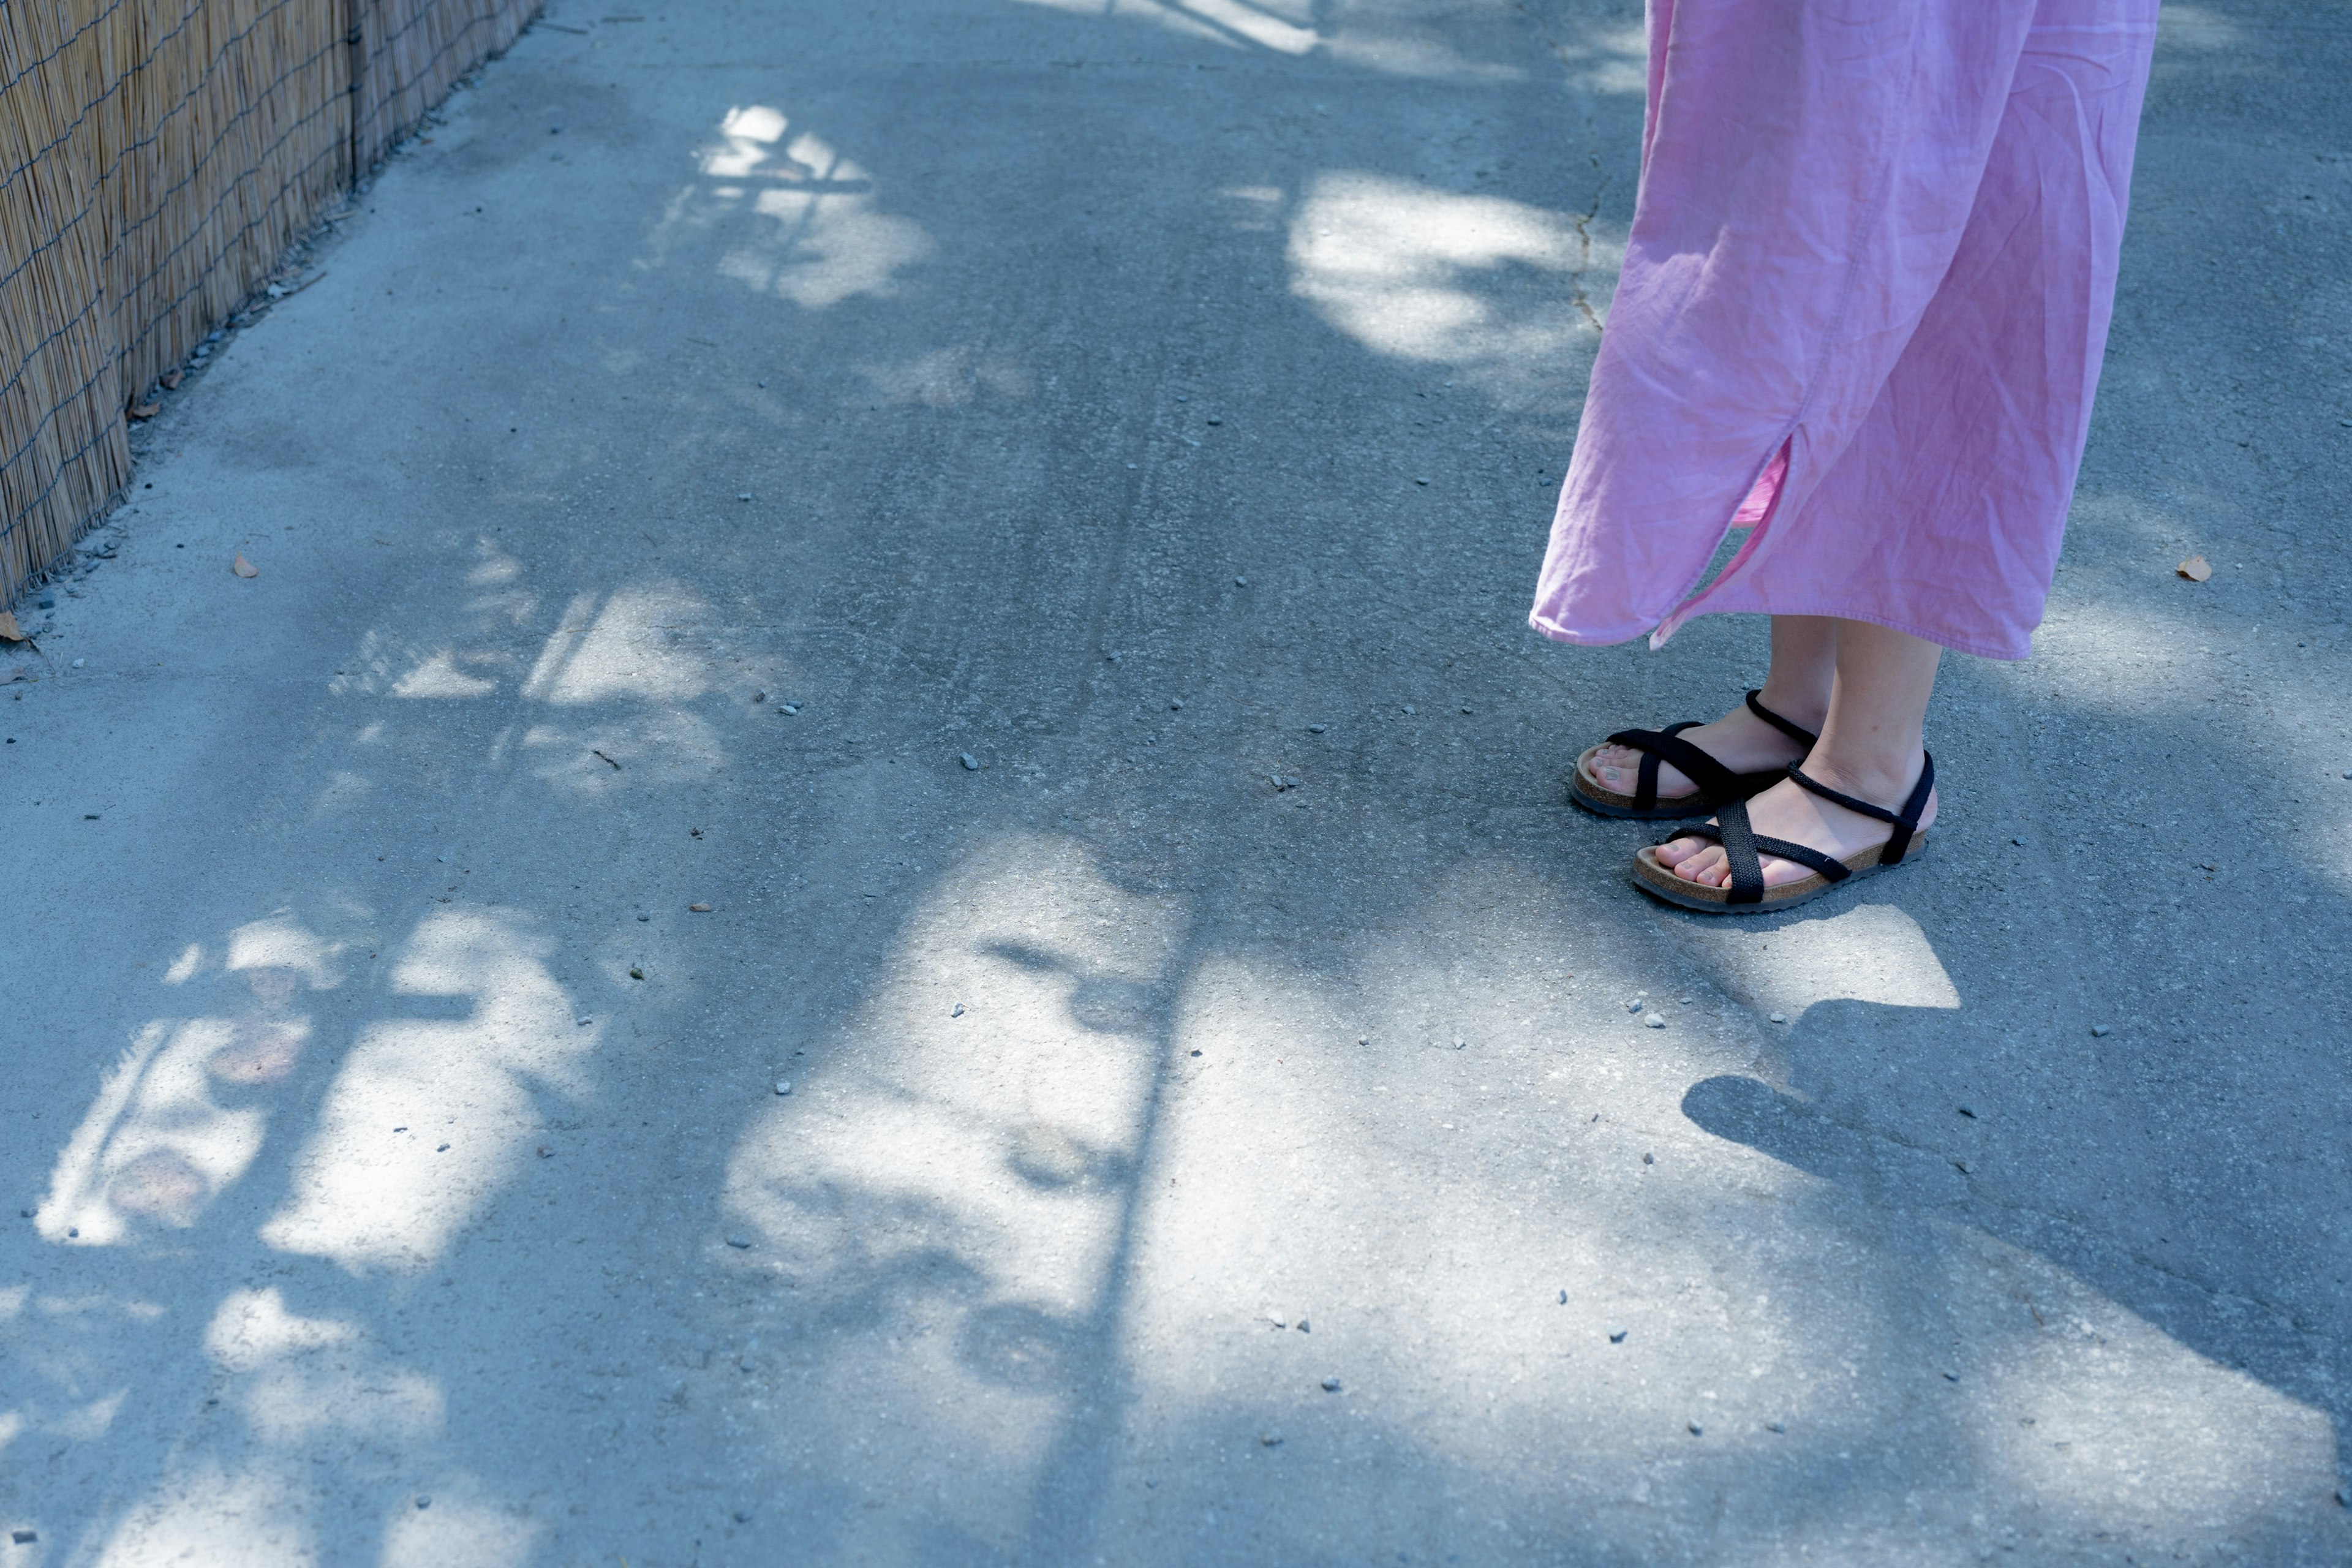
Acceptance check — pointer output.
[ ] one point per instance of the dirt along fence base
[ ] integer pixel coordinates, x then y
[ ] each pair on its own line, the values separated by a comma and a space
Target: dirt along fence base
157, 157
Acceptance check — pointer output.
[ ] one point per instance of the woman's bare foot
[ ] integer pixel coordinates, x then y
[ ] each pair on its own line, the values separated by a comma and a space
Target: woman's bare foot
1788, 811
1739, 741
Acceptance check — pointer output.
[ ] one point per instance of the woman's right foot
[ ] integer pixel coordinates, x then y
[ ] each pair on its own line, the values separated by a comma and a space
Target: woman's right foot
1739, 741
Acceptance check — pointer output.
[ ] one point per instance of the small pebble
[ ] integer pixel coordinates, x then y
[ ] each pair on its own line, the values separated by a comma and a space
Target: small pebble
1776, 1426
790, 707
740, 1243
1634, 1004
1617, 1336
1314, 728
644, 917
971, 763
2018, 841
1951, 1377
1563, 1298
783, 1086
441, 1149
745, 495
1175, 705
1654, 1021
584, 1020
1270, 1439
1780, 1017
2101, 1029
957, 1012
1649, 1159
80, 662
1241, 582
1330, 1386
425, 1502
1696, 1430
24, 1537
1420, 481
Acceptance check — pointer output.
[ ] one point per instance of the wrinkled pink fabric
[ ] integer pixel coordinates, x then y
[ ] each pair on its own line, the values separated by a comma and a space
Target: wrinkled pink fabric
1863, 308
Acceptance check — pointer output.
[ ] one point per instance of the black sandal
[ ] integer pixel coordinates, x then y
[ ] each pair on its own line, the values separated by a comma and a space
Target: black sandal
1746, 893
1717, 785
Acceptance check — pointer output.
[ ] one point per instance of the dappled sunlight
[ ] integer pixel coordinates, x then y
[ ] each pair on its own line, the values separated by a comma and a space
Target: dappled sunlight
2093, 1412
1434, 277
209, 1516
633, 648
425, 1117
1869, 952
296, 1378
440, 676
986, 1159
156, 1144
821, 235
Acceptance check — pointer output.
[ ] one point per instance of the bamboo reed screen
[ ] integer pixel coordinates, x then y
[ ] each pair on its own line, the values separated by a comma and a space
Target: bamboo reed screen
159, 156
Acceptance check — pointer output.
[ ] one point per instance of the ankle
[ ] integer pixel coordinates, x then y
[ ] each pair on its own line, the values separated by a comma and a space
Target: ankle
1797, 702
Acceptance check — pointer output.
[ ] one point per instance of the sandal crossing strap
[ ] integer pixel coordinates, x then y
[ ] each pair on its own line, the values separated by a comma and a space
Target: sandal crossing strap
1795, 732
1905, 821
1667, 745
1741, 845
1713, 778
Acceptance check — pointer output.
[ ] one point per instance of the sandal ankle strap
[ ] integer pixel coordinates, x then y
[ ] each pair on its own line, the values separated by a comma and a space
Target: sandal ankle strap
1794, 731
1904, 822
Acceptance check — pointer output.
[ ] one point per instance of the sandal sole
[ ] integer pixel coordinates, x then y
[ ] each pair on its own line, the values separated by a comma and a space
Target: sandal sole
1663, 884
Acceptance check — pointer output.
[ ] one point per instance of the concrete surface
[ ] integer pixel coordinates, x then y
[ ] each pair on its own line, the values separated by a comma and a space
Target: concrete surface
1079, 359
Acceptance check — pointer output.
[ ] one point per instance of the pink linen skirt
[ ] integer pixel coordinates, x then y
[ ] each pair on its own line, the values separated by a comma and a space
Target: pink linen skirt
1861, 312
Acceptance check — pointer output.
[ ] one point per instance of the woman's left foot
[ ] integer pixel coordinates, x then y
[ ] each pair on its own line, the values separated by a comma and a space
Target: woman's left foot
1788, 810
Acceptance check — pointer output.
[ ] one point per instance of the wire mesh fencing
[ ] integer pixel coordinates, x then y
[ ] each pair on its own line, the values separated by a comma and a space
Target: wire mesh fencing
159, 157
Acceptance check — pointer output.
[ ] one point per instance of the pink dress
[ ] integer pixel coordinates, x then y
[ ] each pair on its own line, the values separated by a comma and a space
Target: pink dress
1863, 307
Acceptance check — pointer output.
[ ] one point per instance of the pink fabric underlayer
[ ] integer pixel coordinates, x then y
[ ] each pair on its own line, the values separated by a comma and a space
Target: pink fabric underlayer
1863, 307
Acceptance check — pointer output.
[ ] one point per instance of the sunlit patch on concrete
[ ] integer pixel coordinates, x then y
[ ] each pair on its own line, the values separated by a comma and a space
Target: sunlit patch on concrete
299, 1376
985, 1165
632, 649
458, 1530
1871, 952
276, 945
371, 1198
185, 966
154, 1144
2096, 1414
207, 1516
1427, 276
825, 239
439, 675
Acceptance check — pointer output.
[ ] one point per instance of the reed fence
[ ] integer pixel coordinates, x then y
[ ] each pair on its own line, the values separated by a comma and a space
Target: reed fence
159, 155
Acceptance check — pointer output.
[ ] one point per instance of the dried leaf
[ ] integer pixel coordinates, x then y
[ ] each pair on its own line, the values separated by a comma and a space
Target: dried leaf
2197, 569
9, 630
243, 567
145, 410
172, 379
699, 909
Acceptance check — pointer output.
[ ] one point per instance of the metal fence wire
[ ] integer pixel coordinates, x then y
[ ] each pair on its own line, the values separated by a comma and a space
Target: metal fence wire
159, 155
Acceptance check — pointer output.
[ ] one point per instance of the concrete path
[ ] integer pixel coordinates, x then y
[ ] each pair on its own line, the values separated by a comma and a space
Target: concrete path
734, 418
